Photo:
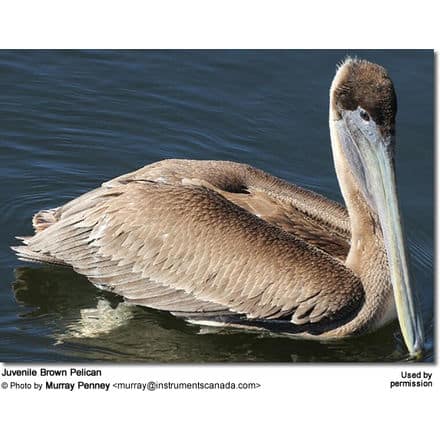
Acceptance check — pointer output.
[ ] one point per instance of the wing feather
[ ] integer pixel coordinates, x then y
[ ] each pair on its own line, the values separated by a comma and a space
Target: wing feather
306, 214
188, 248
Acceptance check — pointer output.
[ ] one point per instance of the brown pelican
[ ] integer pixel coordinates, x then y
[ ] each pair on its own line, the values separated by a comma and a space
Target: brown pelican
226, 243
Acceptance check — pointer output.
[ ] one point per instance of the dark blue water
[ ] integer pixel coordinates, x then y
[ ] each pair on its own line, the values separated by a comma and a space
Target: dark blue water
70, 120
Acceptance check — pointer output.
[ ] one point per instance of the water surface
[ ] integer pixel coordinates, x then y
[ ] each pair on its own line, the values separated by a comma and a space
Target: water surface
70, 120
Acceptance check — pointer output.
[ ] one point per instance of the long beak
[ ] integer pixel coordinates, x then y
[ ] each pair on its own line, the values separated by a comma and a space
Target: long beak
372, 163
381, 177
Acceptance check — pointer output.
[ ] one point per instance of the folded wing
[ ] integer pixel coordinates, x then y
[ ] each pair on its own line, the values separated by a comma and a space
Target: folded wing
180, 244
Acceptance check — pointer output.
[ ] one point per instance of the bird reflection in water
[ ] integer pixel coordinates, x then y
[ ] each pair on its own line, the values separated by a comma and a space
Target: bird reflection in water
68, 311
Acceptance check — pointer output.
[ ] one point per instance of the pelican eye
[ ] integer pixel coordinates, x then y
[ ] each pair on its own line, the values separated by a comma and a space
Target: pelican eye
364, 115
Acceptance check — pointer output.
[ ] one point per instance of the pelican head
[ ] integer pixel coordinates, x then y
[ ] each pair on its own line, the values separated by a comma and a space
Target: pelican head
362, 122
